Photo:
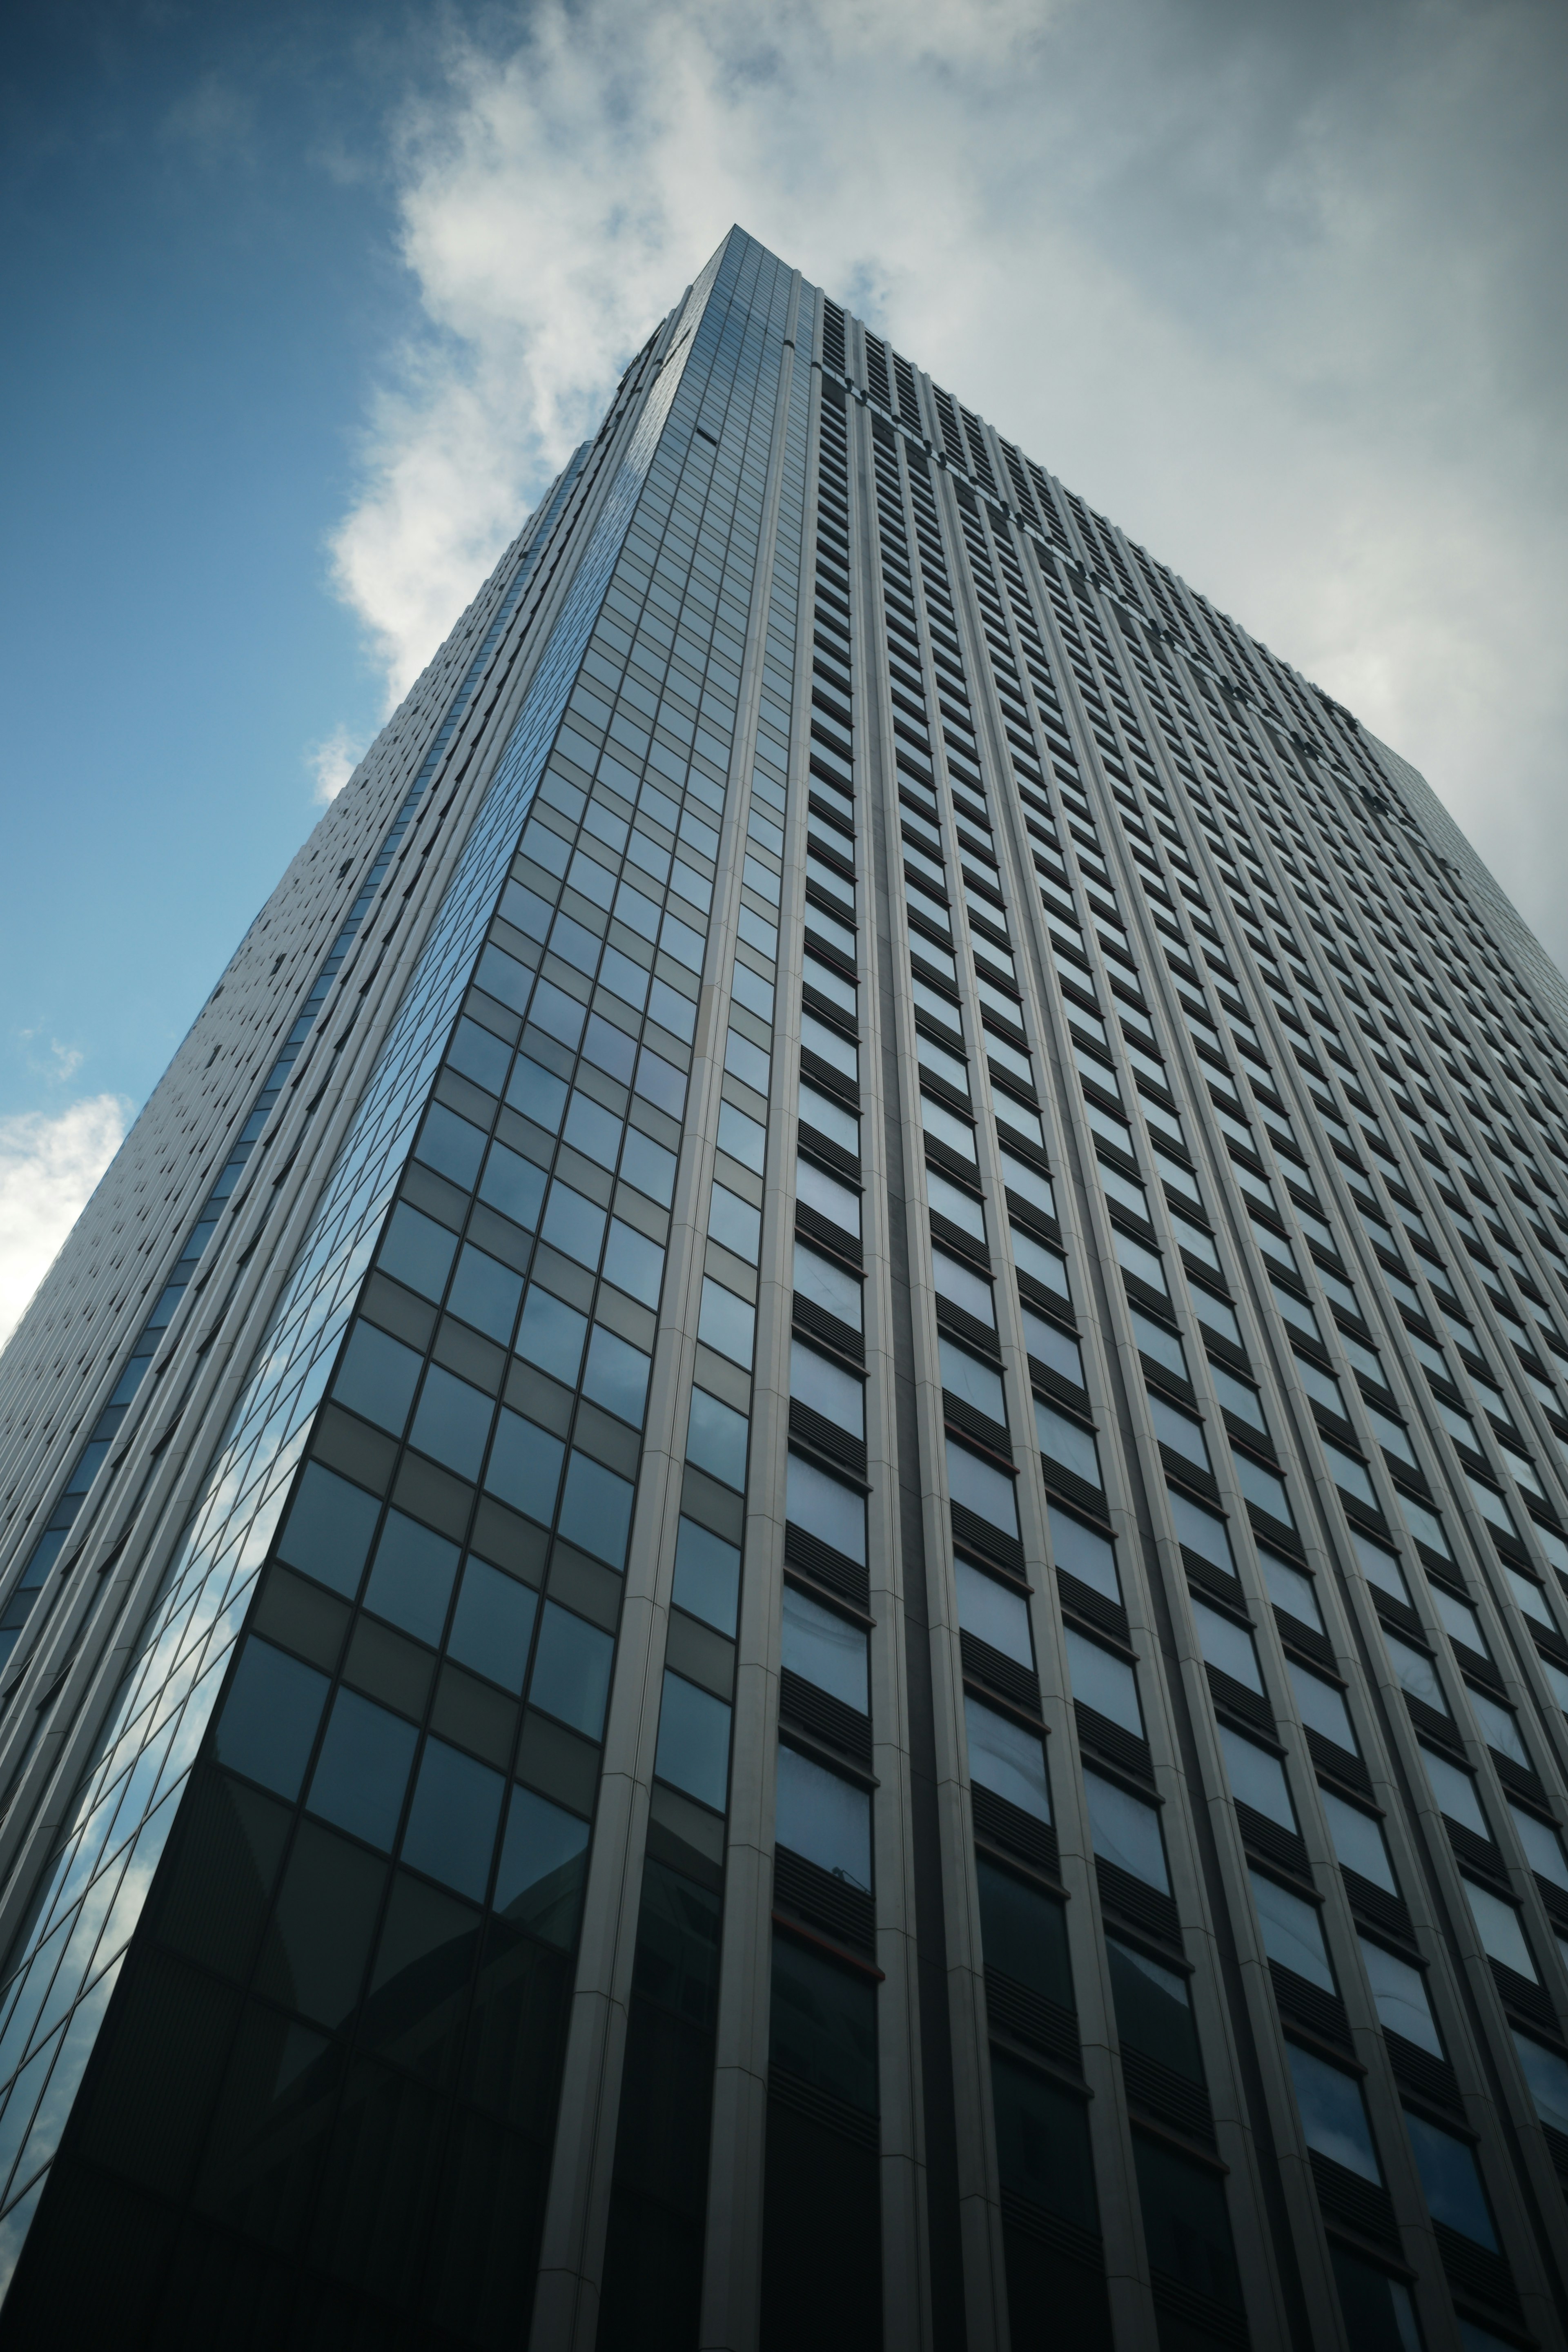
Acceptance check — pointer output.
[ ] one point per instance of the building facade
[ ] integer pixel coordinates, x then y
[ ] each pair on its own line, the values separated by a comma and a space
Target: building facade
784, 1562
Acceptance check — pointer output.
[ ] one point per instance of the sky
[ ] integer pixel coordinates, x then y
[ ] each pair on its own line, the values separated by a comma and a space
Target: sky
304, 307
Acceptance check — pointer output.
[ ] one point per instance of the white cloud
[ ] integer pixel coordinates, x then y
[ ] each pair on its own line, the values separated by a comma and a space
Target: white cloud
332, 761
1266, 290
48, 1170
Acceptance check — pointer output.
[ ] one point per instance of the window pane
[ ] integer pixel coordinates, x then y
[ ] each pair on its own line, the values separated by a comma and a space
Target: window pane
525, 1466
1007, 1759
616, 1375
1292, 1932
451, 1830
362, 1769
1399, 1996
1227, 1645
1153, 2009
1321, 1705
551, 1335
411, 1582
1023, 1933
716, 1438
980, 1488
1451, 2181
1498, 1926
1547, 2074
485, 1292
1542, 1846
1185, 2222
419, 1250
707, 1576
727, 1322
328, 1529
268, 1722
453, 1421
1333, 2116
827, 1286
1083, 1552
823, 1818
632, 1263
1416, 1671
596, 1509
1257, 1778
1454, 1790
1125, 1832
493, 1625
965, 1376
827, 1388
826, 1509
825, 1650
1201, 1531
823, 2026
693, 1741
539, 1882
377, 1378
993, 1612
1068, 1443
1106, 1682
965, 1289
1358, 1842
1042, 2142
1291, 1590
572, 1671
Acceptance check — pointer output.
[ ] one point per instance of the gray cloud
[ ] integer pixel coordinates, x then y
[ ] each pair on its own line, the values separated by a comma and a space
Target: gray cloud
1280, 291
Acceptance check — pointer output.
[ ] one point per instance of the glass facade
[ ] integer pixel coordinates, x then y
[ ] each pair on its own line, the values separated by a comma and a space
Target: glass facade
818, 1591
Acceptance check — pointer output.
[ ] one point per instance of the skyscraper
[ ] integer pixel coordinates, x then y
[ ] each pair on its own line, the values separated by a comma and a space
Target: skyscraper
784, 1562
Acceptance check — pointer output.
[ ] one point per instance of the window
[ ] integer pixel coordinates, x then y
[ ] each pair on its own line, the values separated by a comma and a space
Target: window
1257, 1778
1007, 1759
828, 1286
1125, 1832
1160, 1345
1381, 1567
1452, 2181
1185, 2222
1238, 1397
693, 1752
968, 1378
826, 1507
1200, 1531
1498, 1926
1083, 1552
1291, 1589
1547, 2076
1542, 1846
1178, 1431
1104, 1682
1415, 1673
825, 1650
1399, 1996
1227, 1645
827, 1196
952, 1202
1292, 1932
1334, 2114
823, 1818
1500, 1727
1323, 1709
1066, 1442
828, 1388
1153, 2009
962, 1287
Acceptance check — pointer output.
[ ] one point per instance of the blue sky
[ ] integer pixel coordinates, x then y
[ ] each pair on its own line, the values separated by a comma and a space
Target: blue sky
303, 306
199, 282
